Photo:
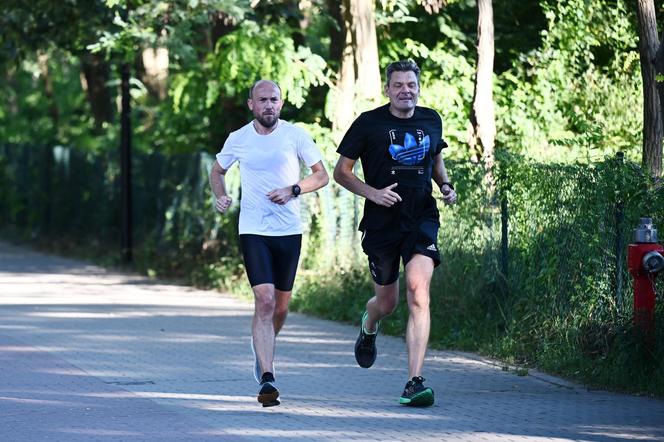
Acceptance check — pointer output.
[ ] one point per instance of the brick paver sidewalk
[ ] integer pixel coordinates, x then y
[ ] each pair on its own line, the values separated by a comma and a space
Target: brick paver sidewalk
92, 355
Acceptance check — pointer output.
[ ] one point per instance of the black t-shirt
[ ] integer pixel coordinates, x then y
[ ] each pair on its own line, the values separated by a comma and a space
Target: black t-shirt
396, 150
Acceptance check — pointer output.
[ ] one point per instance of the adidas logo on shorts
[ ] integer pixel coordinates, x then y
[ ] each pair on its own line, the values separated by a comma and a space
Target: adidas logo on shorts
432, 247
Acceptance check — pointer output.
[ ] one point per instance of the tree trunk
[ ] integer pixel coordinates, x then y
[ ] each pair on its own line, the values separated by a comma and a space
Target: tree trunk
337, 32
296, 20
42, 61
653, 123
359, 73
365, 44
659, 56
482, 116
343, 94
228, 111
659, 70
96, 74
155, 64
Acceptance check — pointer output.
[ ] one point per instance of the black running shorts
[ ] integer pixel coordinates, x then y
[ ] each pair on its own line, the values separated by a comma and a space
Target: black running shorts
384, 248
271, 259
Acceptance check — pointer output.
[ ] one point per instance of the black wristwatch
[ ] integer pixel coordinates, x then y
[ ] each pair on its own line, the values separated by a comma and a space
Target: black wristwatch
296, 190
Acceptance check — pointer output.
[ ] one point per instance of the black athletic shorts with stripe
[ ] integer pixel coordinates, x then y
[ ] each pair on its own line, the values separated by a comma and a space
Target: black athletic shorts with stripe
384, 248
271, 259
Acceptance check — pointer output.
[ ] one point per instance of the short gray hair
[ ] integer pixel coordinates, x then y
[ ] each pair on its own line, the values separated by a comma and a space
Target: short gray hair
401, 66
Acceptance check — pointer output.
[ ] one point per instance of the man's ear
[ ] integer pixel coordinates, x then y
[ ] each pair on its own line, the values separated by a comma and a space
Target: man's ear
250, 104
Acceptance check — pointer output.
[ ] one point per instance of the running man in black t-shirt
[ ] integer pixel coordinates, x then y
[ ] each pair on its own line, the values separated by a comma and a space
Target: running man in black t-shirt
399, 146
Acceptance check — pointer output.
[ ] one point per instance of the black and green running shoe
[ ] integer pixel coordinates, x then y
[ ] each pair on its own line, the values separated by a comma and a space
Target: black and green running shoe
365, 346
268, 393
416, 394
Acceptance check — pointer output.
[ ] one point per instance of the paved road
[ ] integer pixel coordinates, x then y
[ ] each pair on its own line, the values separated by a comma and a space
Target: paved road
92, 355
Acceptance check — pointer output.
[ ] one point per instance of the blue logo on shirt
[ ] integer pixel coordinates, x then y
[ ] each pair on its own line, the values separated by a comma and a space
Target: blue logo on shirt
412, 152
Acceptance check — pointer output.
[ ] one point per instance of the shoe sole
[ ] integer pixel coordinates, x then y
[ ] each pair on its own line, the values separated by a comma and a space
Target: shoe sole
421, 399
271, 404
268, 398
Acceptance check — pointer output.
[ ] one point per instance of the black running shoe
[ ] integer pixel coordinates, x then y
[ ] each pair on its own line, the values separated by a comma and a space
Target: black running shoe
365, 346
415, 394
268, 393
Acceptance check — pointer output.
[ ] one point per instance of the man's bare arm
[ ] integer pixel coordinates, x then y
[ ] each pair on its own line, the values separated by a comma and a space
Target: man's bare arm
218, 186
439, 175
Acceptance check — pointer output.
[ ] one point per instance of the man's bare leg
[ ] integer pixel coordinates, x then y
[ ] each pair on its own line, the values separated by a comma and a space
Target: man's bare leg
281, 309
383, 303
419, 271
380, 305
263, 327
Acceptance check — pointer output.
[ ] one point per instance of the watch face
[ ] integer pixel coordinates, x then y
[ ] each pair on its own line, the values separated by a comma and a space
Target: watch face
296, 190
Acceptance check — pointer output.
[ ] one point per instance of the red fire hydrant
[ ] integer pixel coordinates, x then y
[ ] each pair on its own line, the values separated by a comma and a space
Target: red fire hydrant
645, 259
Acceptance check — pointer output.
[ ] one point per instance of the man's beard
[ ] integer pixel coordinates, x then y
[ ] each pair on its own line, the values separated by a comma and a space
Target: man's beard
267, 121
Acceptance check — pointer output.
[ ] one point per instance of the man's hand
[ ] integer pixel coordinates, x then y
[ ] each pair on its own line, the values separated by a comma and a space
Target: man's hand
385, 197
281, 196
223, 203
449, 195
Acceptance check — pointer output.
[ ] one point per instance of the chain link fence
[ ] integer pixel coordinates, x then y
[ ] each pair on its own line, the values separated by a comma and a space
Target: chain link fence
536, 268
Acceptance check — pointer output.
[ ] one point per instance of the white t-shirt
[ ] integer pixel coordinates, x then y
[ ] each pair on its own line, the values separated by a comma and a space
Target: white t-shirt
268, 162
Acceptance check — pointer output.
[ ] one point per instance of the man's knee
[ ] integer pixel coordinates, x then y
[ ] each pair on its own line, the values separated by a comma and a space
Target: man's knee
418, 300
388, 297
264, 300
418, 287
281, 311
418, 282
389, 304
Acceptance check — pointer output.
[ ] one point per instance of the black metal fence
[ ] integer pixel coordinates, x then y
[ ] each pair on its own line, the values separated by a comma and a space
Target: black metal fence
549, 247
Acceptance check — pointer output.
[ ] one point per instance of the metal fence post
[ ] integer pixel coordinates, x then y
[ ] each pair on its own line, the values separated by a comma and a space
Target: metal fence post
504, 242
619, 218
125, 166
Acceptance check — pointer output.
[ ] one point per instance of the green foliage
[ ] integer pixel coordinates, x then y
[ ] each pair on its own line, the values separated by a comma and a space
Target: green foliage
208, 102
45, 103
253, 52
567, 100
443, 51
568, 305
176, 24
40, 25
343, 298
567, 73
567, 88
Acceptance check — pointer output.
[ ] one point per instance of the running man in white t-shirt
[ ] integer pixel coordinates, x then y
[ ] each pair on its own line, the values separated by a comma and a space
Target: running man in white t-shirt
269, 152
